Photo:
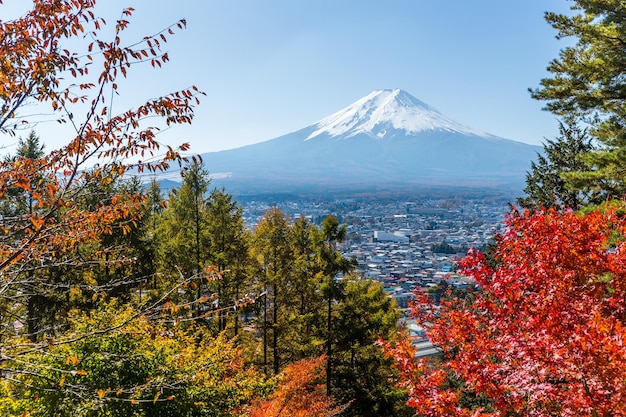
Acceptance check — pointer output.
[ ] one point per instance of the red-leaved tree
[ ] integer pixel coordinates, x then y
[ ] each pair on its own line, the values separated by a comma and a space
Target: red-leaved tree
544, 334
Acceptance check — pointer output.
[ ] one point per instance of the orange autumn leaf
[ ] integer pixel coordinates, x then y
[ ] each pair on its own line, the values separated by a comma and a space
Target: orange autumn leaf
299, 393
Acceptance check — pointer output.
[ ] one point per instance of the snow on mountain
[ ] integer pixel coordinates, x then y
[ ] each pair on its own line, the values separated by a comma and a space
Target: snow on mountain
383, 113
386, 140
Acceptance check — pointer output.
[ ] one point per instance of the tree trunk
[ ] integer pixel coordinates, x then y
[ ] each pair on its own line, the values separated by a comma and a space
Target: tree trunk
32, 320
265, 331
275, 332
236, 326
329, 343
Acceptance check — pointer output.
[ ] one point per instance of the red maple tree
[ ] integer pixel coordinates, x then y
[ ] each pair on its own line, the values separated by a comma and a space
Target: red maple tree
543, 335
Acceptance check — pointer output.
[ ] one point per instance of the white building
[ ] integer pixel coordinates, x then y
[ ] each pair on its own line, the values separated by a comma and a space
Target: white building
390, 237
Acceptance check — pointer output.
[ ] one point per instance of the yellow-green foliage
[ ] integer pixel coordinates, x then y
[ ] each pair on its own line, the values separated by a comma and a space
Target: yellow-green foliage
142, 368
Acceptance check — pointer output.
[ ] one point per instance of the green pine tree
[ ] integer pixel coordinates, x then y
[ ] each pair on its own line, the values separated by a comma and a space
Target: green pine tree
228, 251
183, 237
331, 263
588, 85
361, 372
307, 325
274, 259
547, 183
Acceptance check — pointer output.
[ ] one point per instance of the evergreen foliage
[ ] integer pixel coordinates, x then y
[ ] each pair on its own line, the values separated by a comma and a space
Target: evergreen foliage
308, 325
551, 182
228, 251
588, 85
182, 235
361, 372
274, 258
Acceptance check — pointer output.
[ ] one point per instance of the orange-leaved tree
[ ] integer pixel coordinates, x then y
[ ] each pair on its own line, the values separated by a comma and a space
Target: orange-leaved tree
300, 393
57, 63
544, 334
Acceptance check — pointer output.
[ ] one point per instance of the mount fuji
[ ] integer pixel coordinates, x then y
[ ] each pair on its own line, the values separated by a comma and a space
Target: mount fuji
386, 140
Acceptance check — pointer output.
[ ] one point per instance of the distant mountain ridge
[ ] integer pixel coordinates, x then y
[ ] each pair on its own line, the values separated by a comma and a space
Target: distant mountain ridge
387, 139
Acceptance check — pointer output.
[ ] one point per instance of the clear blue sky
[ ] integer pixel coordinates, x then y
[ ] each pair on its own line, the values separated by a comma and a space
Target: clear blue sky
270, 67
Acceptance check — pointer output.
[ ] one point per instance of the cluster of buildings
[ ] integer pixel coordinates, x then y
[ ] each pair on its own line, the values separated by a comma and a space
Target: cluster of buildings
405, 244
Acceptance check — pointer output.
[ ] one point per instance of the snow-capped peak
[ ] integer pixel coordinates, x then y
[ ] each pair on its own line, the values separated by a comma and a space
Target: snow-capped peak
383, 111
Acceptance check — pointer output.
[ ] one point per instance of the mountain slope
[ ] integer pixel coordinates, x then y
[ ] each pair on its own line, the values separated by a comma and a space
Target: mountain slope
383, 113
388, 138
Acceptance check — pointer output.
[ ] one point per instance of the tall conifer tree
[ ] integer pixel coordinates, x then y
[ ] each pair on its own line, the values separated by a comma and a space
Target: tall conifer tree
228, 249
275, 260
182, 234
588, 84
547, 182
331, 262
